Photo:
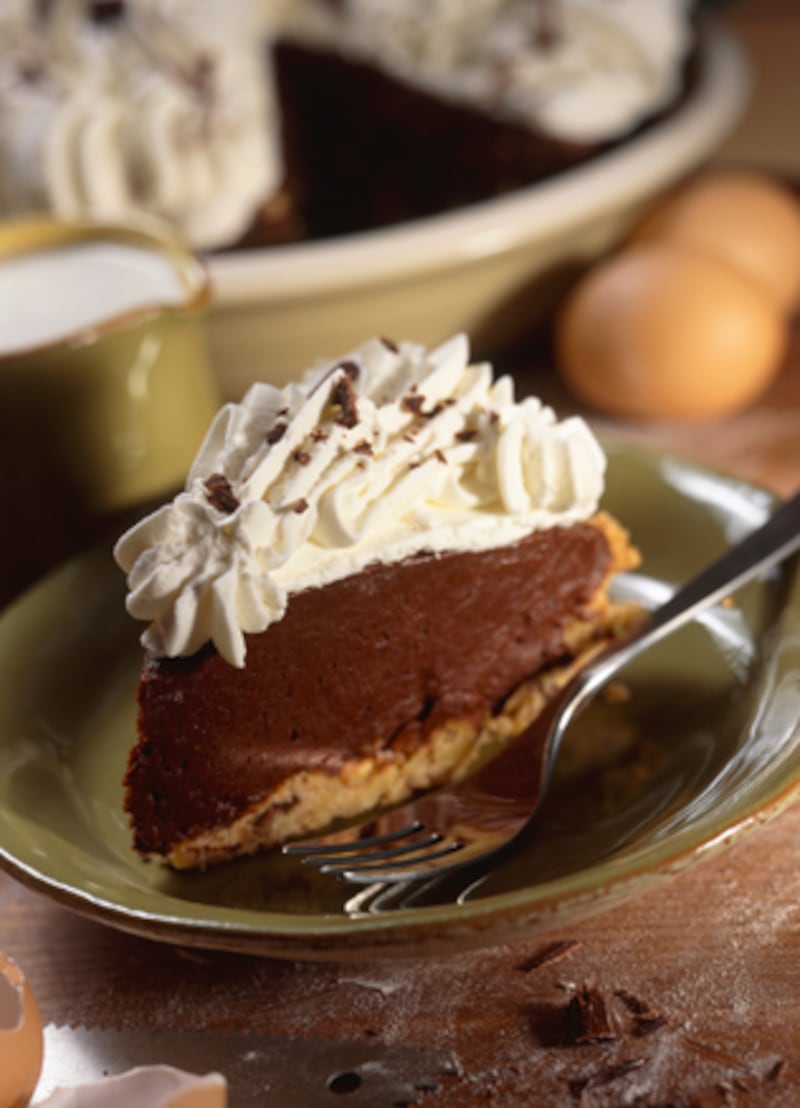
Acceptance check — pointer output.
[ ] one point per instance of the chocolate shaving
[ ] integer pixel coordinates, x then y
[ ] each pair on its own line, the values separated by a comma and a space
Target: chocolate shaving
548, 25
439, 456
413, 404
31, 73
106, 11
605, 1076
466, 435
775, 1070
390, 344
363, 447
201, 77
220, 494
319, 435
298, 506
276, 432
343, 394
301, 457
587, 1019
645, 1019
553, 952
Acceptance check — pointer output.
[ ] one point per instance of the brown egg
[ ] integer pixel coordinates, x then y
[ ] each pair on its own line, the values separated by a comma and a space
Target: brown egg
657, 332
21, 1042
745, 219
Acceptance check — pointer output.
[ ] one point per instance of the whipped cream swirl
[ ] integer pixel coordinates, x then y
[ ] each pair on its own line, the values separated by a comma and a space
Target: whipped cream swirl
390, 452
578, 70
112, 109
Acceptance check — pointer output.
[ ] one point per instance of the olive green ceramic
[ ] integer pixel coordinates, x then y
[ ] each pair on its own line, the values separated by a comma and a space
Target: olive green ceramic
113, 414
706, 747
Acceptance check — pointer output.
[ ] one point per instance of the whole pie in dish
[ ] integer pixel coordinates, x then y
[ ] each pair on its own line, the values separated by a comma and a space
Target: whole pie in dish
260, 121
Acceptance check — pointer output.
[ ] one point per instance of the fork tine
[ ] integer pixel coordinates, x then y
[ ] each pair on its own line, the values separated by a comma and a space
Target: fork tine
369, 872
355, 845
359, 856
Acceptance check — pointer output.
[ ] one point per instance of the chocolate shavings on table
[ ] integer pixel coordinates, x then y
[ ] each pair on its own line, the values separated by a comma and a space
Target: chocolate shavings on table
553, 952
587, 1019
605, 1076
645, 1019
220, 494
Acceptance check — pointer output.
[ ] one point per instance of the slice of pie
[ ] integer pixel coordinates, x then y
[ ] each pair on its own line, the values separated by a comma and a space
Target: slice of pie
372, 579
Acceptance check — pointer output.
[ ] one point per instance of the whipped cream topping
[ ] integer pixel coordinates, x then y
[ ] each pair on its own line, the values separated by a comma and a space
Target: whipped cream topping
111, 109
390, 452
578, 70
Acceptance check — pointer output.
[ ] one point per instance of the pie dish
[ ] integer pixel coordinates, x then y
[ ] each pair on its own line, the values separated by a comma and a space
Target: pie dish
494, 268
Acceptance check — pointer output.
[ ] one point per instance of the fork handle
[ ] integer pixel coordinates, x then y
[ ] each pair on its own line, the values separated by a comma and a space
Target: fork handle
769, 544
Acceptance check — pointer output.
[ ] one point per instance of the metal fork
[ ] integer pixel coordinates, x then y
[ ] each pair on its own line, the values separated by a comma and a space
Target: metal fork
474, 821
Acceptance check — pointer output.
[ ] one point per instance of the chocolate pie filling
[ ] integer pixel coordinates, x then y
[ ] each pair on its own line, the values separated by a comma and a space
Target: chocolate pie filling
378, 659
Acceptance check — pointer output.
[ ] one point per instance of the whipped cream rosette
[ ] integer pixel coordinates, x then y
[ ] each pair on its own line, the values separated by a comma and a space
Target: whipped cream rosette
108, 110
389, 452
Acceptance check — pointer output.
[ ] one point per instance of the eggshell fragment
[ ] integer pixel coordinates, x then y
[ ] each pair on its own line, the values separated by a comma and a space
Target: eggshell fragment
153, 1086
21, 1040
746, 219
658, 332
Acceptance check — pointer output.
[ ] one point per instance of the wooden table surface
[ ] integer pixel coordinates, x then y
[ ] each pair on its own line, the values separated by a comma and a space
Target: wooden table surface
699, 977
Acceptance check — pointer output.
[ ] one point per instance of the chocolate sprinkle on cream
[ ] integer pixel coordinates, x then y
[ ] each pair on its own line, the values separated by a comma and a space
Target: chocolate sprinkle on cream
220, 494
344, 395
276, 432
390, 344
413, 404
301, 457
298, 506
363, 447
466, 435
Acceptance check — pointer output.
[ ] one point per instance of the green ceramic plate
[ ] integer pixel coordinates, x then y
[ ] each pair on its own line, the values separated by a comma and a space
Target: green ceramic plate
707, 747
